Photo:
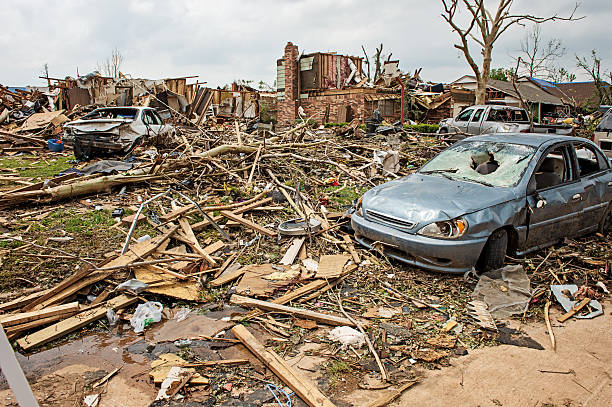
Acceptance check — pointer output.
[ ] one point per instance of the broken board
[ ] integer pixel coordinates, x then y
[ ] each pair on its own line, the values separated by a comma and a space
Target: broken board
331, 266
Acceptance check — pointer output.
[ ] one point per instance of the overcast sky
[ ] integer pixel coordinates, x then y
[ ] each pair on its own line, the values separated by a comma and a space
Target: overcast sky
226, 40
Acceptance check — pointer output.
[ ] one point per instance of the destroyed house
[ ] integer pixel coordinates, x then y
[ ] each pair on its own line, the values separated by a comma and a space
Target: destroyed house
329, 88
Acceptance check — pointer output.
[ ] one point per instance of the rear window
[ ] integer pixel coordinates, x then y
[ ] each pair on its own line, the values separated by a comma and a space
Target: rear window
111, 114
507, 115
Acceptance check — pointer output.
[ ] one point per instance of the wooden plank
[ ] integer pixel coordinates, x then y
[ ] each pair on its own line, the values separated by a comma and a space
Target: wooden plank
574, 310
246, 208
331, 266
76, 283
388, 398
227, 278
292, 251
195, 245
248, 223
288, 297
214, 247
303, 387
73, 323
23, 317
299, 312
351, 249
21, 301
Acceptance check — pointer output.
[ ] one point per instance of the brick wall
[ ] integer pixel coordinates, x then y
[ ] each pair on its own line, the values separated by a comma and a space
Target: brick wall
316, 107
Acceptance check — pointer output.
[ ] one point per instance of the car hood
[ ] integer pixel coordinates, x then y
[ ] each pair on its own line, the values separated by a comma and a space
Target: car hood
422, 199
97, 125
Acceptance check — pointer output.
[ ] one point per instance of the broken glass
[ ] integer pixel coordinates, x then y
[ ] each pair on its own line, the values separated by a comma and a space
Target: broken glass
457, 162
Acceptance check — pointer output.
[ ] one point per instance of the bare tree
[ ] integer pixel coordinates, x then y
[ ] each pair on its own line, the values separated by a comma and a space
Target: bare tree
593, 68
110, 66
367, 61
561, 75
485, 26
537, 57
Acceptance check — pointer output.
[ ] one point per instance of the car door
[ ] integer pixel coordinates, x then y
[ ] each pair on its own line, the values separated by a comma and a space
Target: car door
152, 122
555, 206
474, 125
595, 176
461, 122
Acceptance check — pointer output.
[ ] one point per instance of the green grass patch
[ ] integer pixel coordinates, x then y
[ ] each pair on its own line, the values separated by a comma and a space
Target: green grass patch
345, 196
422, 128
34, 167
73, 222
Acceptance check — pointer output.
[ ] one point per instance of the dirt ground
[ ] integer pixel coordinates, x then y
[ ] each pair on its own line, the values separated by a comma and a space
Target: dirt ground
578, 373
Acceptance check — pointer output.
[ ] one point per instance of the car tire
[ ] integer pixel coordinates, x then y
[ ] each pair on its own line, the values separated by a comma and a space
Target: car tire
606, 223
494, 252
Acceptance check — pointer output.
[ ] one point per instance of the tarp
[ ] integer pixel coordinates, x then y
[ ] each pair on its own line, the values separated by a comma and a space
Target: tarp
606, 122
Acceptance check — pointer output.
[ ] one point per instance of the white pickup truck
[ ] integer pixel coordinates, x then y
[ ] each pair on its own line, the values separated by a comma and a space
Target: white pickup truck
485, 119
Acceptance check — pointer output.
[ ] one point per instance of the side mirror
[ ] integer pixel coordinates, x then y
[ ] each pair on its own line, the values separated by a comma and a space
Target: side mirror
531, 186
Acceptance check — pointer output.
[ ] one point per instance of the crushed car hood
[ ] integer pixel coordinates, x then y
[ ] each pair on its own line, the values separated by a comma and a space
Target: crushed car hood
97, 125
422, 199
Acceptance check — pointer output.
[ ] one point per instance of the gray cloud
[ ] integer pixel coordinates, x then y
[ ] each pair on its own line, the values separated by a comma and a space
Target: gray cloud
225, 40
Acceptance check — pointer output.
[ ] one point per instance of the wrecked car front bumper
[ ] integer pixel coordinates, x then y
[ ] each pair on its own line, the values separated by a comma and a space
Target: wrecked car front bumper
449, 256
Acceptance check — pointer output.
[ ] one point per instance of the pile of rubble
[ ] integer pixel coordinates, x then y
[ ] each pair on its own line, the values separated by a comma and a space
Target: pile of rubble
225, 236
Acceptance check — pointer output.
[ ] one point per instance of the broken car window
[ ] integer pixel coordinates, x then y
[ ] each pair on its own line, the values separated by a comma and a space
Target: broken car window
490, 163
111, 114
465, 116
507, 115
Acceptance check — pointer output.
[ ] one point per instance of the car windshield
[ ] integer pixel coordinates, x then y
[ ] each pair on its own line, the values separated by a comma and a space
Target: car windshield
494, 164
111, 114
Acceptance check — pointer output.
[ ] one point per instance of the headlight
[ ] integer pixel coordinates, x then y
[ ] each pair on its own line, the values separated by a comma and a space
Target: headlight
449, 229
359, 207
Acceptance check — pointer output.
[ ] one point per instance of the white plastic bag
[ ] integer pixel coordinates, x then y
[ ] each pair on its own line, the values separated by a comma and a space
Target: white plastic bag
112, 317
347, 336
145, 315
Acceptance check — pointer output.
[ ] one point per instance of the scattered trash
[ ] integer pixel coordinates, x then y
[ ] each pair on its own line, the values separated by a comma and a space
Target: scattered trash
505, 291
134, 285
564, 293
298, 227
145, 315
347, 336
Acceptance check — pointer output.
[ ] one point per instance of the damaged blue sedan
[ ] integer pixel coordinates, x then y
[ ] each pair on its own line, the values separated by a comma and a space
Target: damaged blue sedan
486, 197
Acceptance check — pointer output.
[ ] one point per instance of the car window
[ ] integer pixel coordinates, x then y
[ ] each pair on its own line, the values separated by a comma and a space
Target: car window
465, 116
553, 169
486, 162
589, 161
147, 118
156, 119
477, 115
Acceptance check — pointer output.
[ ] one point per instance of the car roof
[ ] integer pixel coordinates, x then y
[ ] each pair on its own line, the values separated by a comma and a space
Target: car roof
528, 139
122, 108
497, 107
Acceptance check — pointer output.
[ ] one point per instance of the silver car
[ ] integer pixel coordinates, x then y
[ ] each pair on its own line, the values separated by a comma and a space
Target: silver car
112, 130
488, 196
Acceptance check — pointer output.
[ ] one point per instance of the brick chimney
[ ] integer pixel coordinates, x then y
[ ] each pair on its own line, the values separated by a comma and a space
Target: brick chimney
287, 109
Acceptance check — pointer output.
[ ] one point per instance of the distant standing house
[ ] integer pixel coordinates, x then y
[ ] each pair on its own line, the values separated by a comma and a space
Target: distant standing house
532, 90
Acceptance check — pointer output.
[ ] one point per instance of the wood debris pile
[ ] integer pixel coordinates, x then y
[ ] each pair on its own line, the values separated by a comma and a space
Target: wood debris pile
202, 230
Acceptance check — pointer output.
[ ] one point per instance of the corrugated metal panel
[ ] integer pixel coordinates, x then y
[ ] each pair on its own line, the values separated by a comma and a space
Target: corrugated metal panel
303, 95
306, 63
280, 76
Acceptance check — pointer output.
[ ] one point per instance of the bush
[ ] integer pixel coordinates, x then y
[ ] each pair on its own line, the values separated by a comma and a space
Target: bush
335, 124
422, 128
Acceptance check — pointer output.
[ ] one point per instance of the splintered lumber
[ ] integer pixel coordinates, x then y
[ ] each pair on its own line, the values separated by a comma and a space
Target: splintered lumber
303, 387
73, 323
299, 312
388, 398
292, 251
574, 310
193, 241
248, 223
224, 279
77, 188
23, 317
351, 249
77, 282
214, 247
238, 211
331, 266
288, 297
21, 301
188, 208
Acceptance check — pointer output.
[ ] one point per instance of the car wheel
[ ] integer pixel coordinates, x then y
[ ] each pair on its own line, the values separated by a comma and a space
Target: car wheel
606, 224
494, 252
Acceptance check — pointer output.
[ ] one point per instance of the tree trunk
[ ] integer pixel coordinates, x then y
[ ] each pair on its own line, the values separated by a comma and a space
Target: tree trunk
481, 90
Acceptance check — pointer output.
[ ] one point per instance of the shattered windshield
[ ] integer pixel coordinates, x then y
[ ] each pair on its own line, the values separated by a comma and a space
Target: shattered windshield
111, 114
489, 163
